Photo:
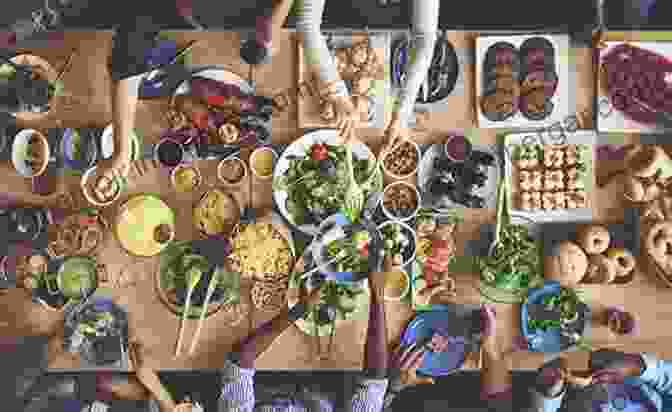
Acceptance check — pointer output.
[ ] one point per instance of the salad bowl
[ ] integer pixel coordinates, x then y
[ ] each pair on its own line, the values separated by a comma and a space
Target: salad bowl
310, 178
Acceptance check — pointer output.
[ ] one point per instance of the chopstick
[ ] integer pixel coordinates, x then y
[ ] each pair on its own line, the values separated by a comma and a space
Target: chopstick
204, 310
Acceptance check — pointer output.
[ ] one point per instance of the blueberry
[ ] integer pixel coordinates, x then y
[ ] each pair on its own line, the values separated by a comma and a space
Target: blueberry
328, 168
326, 314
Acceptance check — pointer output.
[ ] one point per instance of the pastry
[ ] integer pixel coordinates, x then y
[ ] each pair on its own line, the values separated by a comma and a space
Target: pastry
228, 133
327, 112
594, 239
601, 269
623, 260
659, 246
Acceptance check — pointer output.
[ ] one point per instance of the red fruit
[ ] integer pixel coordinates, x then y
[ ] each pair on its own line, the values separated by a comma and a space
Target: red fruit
365, 250
216, 100
87, 220
319, 152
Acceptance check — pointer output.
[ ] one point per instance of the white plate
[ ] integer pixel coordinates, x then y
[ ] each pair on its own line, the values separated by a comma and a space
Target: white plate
301, 147
426, 172
562, 109
612, 120
567, 215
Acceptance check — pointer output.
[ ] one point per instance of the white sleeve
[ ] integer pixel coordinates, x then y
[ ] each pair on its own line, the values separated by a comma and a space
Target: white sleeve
315, 50
423, 31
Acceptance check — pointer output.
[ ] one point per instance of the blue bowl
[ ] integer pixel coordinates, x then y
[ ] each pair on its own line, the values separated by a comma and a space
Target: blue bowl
89, 151
551, 340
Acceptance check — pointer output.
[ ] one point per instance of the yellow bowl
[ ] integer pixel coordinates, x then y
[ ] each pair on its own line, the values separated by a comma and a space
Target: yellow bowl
397, 285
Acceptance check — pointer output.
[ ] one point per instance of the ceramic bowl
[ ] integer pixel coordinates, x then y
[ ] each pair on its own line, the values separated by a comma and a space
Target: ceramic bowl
19, 152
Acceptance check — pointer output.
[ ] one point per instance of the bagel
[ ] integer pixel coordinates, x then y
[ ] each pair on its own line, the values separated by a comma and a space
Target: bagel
601, 269
594, 239
566, 264
659, 246
623, 260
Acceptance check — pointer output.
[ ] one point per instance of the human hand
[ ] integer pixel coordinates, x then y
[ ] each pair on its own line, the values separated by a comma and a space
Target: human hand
137, 353
610, 366
551, 377
114, 168
346, 117
405, 361
394, 134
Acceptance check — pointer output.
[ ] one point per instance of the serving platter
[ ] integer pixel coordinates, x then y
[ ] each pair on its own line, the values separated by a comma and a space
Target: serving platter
308, 106
426, 171
511, 174
444, 61
609, 119
561, 98
300, 148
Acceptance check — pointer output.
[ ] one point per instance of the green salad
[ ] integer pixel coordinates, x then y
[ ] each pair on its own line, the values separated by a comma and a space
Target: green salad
337, 301
316, 183
566, 303
515, 262
356, 249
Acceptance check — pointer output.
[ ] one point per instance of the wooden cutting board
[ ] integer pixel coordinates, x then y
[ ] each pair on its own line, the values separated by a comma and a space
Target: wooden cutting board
308, 101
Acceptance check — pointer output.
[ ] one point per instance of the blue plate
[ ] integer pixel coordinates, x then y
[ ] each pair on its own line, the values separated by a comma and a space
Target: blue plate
551, 340
421, 329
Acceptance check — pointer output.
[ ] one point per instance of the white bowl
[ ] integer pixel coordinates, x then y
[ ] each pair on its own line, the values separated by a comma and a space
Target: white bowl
407, 175
19, 148
408, 257
391, 215
90, 197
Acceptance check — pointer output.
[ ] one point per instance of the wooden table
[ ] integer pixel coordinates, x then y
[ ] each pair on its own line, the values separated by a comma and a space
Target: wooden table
88, 103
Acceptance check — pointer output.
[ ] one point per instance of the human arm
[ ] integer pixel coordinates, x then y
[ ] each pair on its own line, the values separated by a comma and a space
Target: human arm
150, 379
318, 59
424, 29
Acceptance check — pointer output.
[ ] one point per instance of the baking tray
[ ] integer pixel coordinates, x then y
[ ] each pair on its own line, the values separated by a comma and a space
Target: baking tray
308, 107
579, 137
561, 99
610, 119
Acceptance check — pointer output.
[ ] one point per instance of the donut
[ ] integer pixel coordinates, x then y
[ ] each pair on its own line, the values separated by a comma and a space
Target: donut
594, 239
659, 245
623, 260
601, 269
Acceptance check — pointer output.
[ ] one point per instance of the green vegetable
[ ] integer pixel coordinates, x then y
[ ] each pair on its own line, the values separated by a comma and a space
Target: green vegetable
7, 71
76, 145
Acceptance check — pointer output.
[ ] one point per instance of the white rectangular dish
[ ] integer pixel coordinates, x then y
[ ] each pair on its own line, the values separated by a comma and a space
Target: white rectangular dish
561, 99
608, 118
512, 184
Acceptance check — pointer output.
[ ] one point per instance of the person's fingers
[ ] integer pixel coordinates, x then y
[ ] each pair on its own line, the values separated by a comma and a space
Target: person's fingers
424, 380
395, 355
404, 353
414, 358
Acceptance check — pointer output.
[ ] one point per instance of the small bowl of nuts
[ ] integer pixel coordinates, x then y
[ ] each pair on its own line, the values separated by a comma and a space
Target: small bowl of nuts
402, 162
232, 172
400, 201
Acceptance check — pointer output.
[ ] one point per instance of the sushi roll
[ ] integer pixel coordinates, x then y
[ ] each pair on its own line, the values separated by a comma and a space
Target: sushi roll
530, 201
554, 180
527, 156
553, 200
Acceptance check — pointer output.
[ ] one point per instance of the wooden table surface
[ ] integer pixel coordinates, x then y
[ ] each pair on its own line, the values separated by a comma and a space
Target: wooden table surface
87, 103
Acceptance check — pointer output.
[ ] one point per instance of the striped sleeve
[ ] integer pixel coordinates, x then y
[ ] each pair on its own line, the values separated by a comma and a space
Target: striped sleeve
369, 396
316, 52
424, 30
237, 389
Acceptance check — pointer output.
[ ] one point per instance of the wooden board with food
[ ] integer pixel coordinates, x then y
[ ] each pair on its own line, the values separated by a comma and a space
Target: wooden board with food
360, 60
517, 79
